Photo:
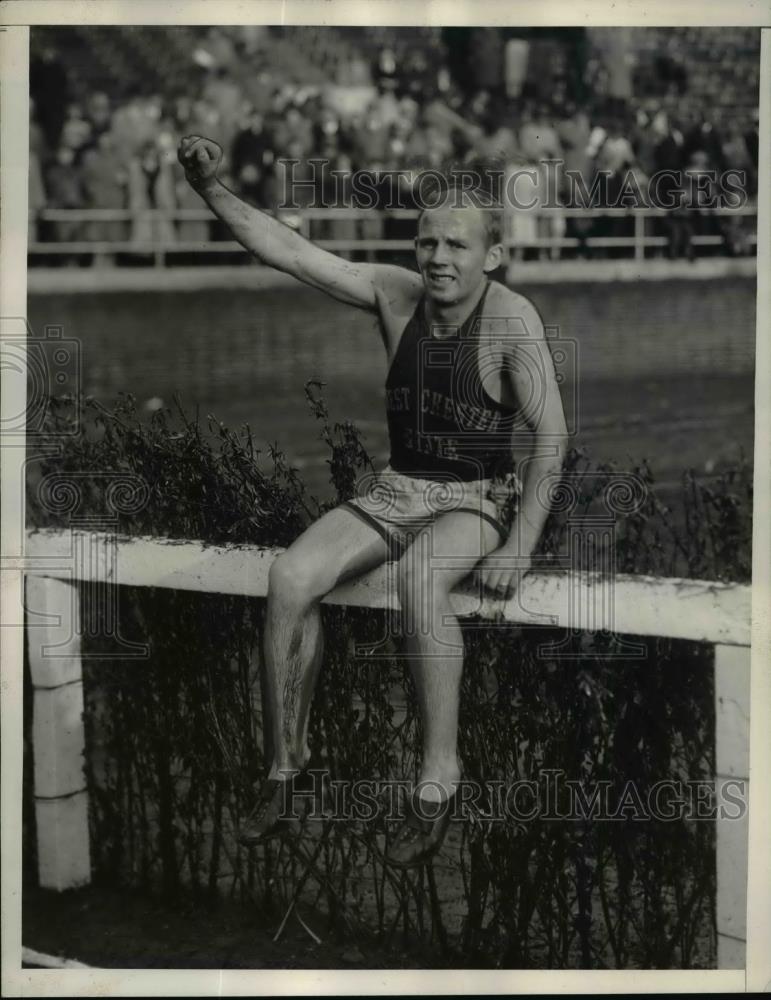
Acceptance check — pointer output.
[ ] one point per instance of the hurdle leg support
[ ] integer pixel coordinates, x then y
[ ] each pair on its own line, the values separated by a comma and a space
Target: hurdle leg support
61, 798
732, 719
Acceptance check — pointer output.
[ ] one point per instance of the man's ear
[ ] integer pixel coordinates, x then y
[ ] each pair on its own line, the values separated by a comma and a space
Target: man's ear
494, 257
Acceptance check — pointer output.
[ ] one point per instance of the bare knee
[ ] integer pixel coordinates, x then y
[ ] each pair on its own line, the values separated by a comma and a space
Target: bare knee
419, 588
294, 581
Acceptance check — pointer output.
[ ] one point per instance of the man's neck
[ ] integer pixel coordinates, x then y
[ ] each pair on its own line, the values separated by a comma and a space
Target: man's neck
454, 313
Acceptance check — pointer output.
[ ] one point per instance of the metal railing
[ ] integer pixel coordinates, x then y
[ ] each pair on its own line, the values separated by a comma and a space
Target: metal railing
55, 560
159, 248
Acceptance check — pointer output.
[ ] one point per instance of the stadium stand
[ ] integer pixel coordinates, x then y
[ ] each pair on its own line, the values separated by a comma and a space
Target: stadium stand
109, 105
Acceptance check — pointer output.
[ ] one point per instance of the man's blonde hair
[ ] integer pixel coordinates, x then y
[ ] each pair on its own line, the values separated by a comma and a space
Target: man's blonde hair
454, 193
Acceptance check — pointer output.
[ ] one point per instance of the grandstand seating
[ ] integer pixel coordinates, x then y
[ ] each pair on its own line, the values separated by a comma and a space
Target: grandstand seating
117, 62
710, 58
160, 60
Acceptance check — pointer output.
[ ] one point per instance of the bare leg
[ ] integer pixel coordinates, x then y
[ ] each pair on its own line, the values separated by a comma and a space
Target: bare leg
338, 546
433, 638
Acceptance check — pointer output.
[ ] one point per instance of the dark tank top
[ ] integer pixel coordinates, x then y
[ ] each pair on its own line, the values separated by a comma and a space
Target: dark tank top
442, 423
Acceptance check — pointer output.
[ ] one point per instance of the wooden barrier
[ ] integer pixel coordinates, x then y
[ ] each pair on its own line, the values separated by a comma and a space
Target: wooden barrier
301, 219
54, 561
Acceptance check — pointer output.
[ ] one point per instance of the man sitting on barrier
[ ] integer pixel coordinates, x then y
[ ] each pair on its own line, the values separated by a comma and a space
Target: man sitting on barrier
470, 374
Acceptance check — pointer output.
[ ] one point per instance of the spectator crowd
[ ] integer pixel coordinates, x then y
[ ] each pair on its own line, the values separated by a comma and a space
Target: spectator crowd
120, 153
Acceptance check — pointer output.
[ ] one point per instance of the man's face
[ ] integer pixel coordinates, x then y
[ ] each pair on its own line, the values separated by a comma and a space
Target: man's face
452, 252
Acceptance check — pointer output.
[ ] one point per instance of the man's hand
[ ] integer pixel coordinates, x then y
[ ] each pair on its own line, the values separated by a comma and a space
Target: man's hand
201, 159
502, 571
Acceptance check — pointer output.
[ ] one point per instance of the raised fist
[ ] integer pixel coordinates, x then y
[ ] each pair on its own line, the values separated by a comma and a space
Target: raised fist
201, 159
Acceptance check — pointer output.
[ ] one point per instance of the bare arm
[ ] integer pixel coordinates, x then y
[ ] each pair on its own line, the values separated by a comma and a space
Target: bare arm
279, 246
529, 370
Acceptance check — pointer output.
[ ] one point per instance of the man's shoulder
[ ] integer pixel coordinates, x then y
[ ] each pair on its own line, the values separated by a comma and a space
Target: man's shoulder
507, 304
398, 288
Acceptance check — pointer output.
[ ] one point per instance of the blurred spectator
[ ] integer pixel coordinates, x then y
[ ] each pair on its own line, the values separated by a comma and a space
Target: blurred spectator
326, 129
37, 156
616, 153
205, 119
400, 228
751, 138
294, 130
736, 153
737, 156
63, 184
502, 143
37, 139
390, 109
417, 78
36, 195
671, 72
520, 207
700, 135
574, 132
616, 158
258, 89
354, 72
291, 184
668, 162
76, 129
49, 86
551, 218
480, 110
105, 180
220, 47
133, 126
538, 139
151, 196
189, 230
99, 113
643, 136
252, 158
669, 149
369, 139
619, 65
386, 69
686, 220
254, 38
183, 112
337, 191
222, 93
372, 227
439, 133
